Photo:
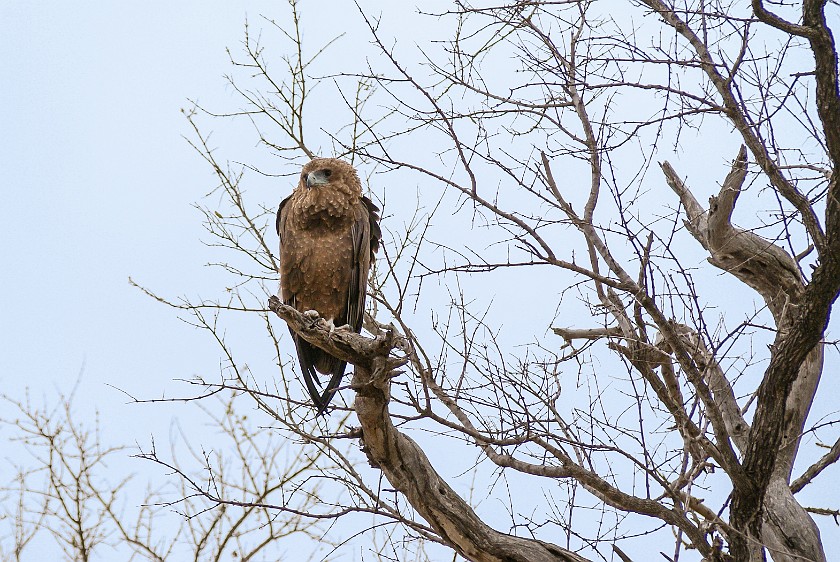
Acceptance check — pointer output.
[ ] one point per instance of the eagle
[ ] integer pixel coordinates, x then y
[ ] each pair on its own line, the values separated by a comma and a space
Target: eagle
329, 233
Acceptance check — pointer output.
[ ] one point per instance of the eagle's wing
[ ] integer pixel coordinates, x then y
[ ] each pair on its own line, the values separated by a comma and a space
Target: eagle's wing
306, 352
360, 233
375, 231
280, 223
365, 235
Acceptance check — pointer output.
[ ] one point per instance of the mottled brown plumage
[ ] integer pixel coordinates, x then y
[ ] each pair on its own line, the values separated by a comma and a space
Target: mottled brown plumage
328, 233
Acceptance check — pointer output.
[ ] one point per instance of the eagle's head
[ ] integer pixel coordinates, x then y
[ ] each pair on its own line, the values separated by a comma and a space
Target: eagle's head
321, 173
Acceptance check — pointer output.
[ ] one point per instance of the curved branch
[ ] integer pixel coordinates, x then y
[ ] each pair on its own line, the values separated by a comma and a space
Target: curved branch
401, 459
831, 457
786, 394
740, 120
408, 469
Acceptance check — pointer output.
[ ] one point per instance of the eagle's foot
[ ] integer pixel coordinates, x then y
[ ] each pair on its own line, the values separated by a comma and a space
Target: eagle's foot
312, 317
343, 328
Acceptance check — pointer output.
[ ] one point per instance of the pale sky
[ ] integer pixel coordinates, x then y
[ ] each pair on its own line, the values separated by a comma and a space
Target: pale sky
98, 185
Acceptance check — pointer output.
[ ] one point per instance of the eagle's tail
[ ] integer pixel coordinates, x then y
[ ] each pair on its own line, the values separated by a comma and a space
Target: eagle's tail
332, 386
313, 360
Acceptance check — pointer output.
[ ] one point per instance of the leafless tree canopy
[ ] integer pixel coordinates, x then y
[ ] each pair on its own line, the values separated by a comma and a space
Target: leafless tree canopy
537, 131
611, 249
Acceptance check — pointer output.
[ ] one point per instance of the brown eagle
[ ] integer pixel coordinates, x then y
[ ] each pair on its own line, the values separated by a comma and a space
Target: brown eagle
329, 233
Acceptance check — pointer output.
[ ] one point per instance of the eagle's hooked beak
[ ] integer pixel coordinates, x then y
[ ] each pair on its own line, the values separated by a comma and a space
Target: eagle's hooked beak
318, 177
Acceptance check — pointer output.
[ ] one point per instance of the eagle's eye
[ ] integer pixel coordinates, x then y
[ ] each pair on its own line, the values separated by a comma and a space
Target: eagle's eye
327, 173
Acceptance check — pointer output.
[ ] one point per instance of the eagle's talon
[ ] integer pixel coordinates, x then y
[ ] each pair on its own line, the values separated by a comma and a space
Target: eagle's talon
312, 317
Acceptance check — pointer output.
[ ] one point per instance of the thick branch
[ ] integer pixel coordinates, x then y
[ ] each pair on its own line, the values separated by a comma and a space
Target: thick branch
408, 469
783, 401
722, 391
762, 265
570, 334
766, 16
345, 345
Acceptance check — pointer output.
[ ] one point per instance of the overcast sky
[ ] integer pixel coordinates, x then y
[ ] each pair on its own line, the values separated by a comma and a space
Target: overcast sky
97, 185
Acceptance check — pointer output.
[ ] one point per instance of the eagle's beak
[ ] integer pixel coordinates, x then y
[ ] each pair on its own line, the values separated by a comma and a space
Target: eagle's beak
318, 177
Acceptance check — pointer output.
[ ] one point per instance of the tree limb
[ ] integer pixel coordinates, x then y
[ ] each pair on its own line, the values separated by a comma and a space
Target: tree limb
402, 460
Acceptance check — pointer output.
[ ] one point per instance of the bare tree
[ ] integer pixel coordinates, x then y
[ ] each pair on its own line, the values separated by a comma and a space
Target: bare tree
666, 408
68, 496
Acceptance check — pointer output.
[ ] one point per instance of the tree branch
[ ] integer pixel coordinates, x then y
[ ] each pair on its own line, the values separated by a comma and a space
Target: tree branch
401, 459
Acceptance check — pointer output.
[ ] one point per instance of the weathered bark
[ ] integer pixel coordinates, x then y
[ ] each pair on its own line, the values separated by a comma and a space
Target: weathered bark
401, 460
409, 471
772, 445
781, 524
343, 344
